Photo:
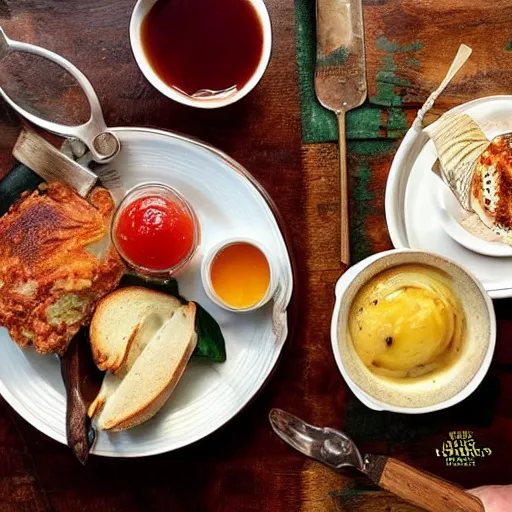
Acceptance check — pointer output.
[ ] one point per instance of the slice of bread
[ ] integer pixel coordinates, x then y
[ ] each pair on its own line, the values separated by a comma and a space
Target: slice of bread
148, 328
117, 319
151, 373
146, 331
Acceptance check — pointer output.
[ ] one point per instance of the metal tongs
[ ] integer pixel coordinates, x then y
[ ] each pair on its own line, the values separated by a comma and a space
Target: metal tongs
336, 450
102, 143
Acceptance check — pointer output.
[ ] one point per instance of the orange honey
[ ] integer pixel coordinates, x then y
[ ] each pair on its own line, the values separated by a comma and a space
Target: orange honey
240, 275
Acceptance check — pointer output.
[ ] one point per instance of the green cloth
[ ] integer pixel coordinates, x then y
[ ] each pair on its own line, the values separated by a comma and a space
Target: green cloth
380, 117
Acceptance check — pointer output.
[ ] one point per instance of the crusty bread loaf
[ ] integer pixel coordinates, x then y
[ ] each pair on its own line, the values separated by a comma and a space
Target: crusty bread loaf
152, 369
118, 318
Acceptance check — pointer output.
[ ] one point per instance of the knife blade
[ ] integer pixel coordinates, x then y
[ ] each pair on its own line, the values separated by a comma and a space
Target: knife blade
48, 162
327, 445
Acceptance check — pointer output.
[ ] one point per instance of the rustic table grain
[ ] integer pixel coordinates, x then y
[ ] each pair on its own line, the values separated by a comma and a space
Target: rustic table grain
244, 467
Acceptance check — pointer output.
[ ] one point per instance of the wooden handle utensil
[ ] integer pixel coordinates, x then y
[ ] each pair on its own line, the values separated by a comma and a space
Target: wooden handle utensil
336, 450
340, 79
345, 226
418, 487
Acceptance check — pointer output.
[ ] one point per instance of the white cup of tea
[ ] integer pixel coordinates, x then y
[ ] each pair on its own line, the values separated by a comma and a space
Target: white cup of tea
204, 97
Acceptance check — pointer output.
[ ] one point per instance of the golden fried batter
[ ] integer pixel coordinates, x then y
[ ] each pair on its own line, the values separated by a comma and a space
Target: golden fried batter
52, 271
492, 184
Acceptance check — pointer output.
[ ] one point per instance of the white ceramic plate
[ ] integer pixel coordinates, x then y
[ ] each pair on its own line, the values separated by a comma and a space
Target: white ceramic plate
418, 216
228, 204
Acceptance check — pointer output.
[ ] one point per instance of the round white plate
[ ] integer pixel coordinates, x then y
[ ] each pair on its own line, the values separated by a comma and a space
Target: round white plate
228, 204
416, 212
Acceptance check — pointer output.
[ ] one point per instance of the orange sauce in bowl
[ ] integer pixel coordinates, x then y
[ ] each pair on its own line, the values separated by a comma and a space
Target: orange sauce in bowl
240, 275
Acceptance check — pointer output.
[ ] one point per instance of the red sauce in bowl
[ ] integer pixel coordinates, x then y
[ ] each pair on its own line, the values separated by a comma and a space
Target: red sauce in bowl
154, 232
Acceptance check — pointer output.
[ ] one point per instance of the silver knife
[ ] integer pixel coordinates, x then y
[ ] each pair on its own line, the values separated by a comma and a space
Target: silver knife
48, 162
336, 450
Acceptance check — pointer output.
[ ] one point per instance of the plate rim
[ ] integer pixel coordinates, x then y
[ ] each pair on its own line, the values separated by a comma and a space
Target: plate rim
290, 309
415, 140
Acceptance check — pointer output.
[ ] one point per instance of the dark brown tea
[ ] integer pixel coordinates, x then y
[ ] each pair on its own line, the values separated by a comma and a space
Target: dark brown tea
194, 45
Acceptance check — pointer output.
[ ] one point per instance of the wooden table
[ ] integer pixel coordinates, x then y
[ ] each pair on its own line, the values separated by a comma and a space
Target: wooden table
244, 467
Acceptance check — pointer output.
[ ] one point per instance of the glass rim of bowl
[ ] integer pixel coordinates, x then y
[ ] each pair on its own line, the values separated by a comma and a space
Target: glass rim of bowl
166, 190
206, 269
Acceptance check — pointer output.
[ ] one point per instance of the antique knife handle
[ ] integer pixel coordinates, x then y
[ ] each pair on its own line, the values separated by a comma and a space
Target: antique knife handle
79, 432
419, 487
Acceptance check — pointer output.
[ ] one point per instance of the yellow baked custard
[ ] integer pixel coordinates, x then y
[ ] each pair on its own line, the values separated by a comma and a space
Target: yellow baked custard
406, 322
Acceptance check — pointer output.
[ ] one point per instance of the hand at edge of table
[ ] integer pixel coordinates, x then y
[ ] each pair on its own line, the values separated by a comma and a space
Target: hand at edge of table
496, 498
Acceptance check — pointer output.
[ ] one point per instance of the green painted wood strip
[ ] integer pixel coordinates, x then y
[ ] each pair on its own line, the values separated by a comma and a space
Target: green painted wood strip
381, 116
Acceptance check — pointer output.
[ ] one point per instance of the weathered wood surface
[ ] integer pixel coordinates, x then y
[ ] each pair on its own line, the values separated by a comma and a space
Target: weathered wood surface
244, 467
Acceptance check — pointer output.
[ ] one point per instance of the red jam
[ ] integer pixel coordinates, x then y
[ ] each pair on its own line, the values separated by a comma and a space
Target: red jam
155, 232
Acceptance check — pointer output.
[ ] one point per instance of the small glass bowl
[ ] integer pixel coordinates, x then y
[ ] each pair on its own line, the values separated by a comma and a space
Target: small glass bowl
206, 267
156, 189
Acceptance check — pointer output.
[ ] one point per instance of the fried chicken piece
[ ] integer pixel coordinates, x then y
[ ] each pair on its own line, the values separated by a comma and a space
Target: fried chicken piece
56, 262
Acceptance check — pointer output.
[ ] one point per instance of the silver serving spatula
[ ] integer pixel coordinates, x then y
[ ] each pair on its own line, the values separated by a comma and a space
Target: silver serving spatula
340, 79
336, 450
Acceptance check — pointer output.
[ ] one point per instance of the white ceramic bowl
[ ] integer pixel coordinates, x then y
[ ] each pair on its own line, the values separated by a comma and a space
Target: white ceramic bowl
206, 274
139, 13
444, 388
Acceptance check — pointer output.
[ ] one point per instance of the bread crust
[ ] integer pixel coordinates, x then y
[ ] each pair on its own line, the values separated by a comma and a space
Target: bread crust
492, 185
103, 357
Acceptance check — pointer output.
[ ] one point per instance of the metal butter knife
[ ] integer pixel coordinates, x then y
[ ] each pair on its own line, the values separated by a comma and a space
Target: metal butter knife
340, 79
336, 450
51, 164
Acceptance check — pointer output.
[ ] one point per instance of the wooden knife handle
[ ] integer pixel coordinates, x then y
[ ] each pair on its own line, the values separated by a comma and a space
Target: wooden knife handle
419, 487
345, 226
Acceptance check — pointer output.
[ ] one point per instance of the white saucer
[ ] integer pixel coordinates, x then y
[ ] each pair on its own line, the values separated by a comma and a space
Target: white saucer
228, 204
452, 217
417, 213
